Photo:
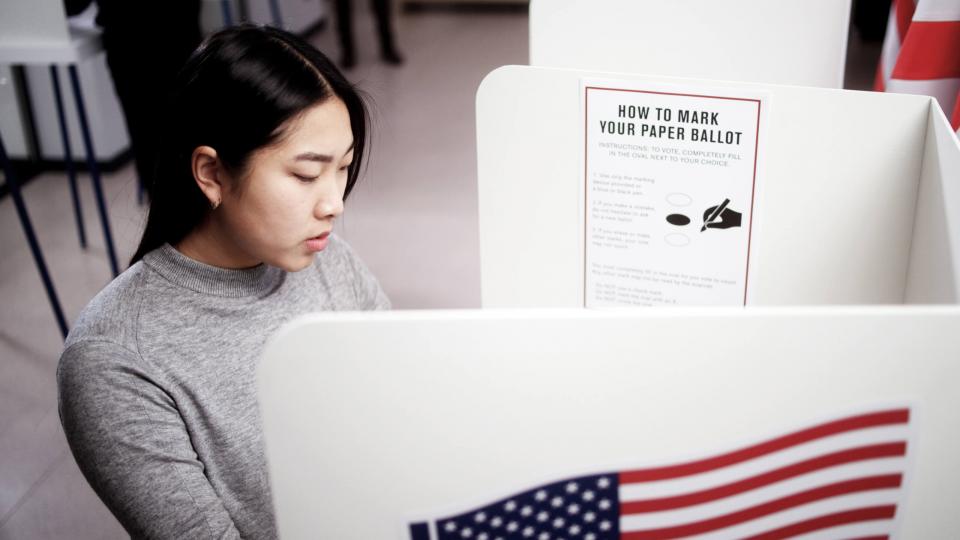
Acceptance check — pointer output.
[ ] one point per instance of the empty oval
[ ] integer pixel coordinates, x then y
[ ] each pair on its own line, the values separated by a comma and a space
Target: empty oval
677, 239
679, 199
678, 219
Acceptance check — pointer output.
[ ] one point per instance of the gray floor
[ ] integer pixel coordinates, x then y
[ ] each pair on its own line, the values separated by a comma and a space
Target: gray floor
413, 219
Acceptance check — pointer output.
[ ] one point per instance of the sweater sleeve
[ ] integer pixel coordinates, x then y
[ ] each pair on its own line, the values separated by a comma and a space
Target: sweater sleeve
132, 445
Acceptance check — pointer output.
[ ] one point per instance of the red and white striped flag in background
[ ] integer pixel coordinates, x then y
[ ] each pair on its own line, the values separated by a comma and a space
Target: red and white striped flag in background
921, 53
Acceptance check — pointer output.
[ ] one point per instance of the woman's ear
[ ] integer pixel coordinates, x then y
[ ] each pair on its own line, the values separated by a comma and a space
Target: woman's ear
208, 173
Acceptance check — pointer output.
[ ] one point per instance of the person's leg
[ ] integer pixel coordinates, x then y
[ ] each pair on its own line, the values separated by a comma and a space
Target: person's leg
348, 57
388, 47
126, 82
142, 82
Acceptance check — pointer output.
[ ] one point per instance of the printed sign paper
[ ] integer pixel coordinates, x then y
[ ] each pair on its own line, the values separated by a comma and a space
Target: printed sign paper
670, 185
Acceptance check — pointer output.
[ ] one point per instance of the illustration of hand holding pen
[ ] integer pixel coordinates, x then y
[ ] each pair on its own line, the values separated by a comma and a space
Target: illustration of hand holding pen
728, 218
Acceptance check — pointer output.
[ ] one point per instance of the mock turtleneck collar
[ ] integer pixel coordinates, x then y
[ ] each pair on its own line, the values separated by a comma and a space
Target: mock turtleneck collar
206, 279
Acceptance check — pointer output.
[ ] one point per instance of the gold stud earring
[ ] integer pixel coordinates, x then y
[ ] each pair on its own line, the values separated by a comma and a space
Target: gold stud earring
215, 204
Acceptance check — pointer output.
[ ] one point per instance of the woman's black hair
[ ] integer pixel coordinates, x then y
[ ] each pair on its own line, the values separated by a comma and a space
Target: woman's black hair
235, 94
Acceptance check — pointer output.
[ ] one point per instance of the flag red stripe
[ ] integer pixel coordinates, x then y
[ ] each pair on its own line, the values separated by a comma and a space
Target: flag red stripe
821, 462
881, 418
832, 520
904, 10
879, 84
816, 494
955, 121
930, 51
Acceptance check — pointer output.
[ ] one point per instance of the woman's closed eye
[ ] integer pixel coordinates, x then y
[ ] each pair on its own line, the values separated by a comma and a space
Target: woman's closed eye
305, 178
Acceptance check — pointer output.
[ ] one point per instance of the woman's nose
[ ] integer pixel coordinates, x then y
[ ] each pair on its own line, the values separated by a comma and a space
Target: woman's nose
330, 204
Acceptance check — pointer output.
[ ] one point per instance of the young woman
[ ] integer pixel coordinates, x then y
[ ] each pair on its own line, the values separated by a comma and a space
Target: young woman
157, 381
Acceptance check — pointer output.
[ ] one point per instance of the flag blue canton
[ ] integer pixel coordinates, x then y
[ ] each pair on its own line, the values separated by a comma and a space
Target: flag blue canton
583, 508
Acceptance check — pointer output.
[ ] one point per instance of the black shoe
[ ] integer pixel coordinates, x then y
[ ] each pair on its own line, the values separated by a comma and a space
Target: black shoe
348, 61
391, 56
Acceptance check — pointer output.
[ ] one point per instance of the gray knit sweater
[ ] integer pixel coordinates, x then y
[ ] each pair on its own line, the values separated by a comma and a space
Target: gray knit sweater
157, 391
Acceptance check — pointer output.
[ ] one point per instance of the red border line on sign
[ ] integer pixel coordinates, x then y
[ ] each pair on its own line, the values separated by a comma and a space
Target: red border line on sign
586, 143
753, 191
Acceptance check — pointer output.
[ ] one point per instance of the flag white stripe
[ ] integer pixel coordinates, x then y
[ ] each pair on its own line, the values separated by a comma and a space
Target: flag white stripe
854, 530
944, 90
763, 464
937, 10
793, 515
756, 497
891, 46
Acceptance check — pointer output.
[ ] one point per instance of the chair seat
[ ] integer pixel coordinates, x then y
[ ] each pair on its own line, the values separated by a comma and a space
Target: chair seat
83, 43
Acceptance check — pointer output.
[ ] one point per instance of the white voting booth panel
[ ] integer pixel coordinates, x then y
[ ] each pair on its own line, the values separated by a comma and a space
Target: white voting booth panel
786, 42
859, 200
375, 421
935, 248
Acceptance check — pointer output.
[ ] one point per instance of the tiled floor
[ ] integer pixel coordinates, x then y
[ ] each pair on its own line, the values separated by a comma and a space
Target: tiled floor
413, 219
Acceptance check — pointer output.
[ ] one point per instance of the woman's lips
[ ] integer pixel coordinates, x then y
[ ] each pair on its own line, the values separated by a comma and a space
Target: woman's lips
318, 243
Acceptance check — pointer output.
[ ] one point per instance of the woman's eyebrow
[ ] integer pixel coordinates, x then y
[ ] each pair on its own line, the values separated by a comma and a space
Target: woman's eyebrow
322, 158
313, 156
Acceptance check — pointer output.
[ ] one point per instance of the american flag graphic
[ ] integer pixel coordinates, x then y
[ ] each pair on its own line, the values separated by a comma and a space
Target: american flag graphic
839, 479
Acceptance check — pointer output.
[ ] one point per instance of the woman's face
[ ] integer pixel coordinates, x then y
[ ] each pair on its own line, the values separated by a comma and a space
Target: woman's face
282, 211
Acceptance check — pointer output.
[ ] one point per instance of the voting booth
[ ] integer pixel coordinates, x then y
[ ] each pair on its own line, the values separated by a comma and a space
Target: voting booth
858, 200
793, 418
664, 422
801, 42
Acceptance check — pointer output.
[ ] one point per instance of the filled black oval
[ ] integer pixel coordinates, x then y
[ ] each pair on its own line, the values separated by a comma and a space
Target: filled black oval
678, 219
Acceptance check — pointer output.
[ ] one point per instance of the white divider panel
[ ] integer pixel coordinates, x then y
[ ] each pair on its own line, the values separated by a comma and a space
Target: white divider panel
834, 221
785, 42
935, 256
375, 420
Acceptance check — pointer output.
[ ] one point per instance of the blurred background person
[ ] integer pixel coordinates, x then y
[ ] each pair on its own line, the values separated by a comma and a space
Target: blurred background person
348, 50
145, 47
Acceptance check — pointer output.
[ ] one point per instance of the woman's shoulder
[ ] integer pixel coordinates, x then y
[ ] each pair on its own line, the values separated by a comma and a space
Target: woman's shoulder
103, 339
109, 316
340, 266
